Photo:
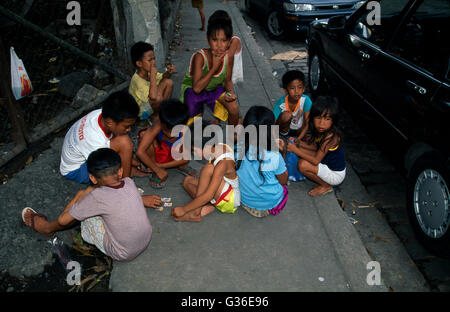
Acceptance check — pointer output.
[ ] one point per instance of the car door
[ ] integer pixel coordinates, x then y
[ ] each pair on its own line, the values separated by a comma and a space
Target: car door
350, 52
403, 78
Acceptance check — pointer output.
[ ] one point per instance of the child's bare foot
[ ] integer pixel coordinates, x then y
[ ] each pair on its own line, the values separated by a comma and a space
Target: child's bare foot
135, 172
34, 220
320, 190
191, 216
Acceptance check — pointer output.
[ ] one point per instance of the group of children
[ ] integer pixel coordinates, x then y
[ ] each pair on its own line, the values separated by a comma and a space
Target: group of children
98, 150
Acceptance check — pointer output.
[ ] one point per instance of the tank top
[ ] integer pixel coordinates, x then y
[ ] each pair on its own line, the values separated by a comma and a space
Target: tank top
216, 80
233, 182
335, 159
238, 71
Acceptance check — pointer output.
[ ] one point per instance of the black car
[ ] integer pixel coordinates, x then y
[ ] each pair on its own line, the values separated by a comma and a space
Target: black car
295, 15
391, 60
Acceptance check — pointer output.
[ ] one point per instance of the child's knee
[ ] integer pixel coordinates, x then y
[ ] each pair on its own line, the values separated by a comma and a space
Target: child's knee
187, 180
122, 143
284, 118
233, 109
303, 165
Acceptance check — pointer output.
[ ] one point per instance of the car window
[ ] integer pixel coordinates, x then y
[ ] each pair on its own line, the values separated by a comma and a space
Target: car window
378, 29
423, 39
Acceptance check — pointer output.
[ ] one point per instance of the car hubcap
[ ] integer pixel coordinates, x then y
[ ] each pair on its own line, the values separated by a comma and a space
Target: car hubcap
274, 24
431, 203
314, 72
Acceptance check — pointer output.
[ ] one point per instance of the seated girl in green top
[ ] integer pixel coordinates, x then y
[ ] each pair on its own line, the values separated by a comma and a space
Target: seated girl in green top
208, 77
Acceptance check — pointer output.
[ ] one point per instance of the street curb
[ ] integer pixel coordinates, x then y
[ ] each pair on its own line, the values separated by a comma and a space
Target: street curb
263, 67
348, 246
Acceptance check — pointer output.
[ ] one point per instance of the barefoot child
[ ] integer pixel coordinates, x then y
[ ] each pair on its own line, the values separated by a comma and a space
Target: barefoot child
155, 146
218, 185
322, 155
106, 127
149, 87
112, 213
262, 172
208, 77
292, 110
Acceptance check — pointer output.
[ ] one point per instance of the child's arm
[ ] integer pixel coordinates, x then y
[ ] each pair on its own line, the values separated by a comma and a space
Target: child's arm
146, 142
314, 157
65, 219
228, 84
200, 82
217, 173
153, 91
304, 126
283, 178
151, 201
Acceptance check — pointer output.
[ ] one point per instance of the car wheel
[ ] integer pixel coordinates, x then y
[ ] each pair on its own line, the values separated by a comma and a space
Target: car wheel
315, 74
275, 25
428, 204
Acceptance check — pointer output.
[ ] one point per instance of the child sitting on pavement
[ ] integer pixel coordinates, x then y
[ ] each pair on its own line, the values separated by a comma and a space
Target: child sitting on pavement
112, 213
155, 145
322, 157
262, 171
292, 110
217, 186
148, 86
208, 79
105, 127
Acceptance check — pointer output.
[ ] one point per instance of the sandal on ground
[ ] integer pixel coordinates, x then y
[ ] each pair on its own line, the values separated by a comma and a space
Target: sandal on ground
255, 212
33, 215
326, 192
188, 171
156, 183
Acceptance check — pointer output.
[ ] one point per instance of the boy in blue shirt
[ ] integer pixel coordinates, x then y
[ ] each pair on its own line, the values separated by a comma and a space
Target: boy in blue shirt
292, 110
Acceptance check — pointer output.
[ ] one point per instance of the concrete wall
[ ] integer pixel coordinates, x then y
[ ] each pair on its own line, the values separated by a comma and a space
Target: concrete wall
139, 20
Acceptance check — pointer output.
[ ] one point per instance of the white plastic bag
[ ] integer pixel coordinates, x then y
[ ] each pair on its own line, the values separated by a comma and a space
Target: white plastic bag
20, 82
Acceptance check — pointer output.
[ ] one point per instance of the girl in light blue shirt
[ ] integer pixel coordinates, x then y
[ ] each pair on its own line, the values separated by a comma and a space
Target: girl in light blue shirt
262, 172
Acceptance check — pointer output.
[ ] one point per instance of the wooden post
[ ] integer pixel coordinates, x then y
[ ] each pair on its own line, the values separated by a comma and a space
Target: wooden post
19, 131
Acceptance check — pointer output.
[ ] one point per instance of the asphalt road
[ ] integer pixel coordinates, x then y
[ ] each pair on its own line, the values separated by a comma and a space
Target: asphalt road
373, 177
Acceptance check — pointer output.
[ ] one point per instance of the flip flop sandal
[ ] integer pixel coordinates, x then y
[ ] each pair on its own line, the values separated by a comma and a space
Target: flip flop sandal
144, 169
188, 172
156, 183
33, 215
255, 212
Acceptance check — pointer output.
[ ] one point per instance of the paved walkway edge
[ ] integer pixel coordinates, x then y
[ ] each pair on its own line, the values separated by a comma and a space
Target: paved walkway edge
347, 243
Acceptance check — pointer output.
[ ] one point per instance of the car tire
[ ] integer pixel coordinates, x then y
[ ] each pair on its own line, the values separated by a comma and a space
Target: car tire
316, 79
427, 200
275, 25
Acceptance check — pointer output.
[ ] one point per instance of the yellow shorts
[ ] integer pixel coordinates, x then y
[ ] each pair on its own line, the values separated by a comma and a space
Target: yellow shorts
197, 4
225, 203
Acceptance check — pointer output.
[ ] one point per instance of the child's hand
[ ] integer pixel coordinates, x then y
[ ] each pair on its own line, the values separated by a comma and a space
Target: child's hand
291, 147
281, 145
171, 69
230, 97
217, 61
177, 212
153, 71
152, 201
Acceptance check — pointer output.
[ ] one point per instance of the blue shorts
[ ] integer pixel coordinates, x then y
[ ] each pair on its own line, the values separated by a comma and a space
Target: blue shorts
81, 175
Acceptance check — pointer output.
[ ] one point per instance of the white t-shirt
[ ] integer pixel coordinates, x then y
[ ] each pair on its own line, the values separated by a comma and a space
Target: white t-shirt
84, 137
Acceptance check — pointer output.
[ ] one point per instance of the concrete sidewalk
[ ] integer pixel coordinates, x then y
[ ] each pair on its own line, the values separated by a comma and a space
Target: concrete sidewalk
310, 246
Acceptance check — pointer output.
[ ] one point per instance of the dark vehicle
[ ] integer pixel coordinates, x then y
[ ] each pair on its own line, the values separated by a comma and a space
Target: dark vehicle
295, 15
395, 67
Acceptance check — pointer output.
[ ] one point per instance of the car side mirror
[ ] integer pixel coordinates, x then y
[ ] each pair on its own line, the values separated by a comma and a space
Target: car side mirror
336, 23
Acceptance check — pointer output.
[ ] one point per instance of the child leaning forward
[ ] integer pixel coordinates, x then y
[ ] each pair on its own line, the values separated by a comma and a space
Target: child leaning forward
218, 185
208, 79
155, 145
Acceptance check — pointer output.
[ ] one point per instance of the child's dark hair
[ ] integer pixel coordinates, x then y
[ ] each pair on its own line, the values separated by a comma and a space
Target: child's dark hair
103, 162
258, 116
204, 138
290, 76
324, 105
216, 24
172, 113
138, 50
220, 14
119, 106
